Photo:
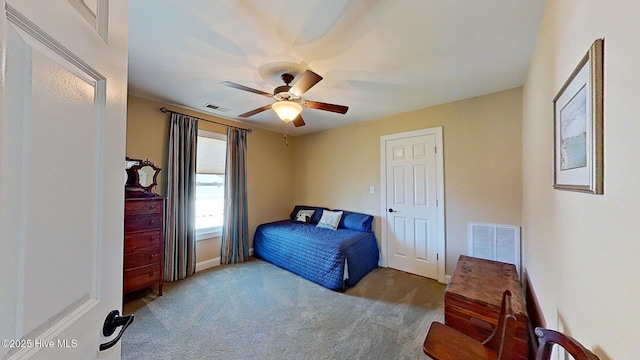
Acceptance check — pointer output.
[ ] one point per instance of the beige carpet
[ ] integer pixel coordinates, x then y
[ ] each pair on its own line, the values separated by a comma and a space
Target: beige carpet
256, 310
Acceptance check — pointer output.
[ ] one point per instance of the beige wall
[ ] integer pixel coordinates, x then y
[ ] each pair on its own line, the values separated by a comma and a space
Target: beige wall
482, 160
335, 168
148, 135
269, 163
582, 250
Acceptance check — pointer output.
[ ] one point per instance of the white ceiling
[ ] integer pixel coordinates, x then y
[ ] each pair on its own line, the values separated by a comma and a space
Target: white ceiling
379, 57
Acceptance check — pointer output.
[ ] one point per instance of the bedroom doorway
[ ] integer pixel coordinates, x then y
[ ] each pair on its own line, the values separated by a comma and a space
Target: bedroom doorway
412, 198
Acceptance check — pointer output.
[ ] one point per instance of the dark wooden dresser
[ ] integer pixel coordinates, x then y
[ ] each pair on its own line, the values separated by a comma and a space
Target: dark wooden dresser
143, 243
473, 297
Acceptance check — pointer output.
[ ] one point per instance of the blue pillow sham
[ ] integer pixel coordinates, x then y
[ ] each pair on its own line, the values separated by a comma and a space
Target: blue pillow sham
350, 220
355, 221
316, 215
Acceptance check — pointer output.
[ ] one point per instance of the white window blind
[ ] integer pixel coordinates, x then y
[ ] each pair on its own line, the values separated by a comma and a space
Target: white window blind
211, 154
210, 165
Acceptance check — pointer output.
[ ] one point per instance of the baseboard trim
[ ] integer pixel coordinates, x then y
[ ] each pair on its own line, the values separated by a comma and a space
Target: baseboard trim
207, 264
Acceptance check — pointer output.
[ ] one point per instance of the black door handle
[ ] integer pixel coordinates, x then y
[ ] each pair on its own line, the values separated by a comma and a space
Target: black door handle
391, 210
113, 321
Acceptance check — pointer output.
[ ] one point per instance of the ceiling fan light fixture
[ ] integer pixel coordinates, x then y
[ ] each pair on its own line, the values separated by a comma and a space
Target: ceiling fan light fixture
287, 110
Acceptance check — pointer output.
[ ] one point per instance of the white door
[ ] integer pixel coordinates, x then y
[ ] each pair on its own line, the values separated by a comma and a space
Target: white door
413, 206
63, 68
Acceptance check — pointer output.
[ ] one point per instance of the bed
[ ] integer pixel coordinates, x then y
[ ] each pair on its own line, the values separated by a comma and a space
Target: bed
331, 258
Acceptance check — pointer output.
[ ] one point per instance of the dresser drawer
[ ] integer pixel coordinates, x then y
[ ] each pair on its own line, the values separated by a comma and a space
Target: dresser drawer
142, 240
147, 256
142, 277
143, 207
142, 222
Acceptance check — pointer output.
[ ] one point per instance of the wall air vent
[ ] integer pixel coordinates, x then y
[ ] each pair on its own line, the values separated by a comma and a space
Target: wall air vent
495, 242
211, 106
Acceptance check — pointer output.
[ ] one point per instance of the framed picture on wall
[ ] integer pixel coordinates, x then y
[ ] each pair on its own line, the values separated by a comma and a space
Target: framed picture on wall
578, 126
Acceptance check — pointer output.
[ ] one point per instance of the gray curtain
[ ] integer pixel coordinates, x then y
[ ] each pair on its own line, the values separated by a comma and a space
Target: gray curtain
235, 234
180, 239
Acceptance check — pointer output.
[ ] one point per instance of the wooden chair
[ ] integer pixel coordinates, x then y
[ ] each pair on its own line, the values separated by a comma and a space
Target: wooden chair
547, 338
445, 343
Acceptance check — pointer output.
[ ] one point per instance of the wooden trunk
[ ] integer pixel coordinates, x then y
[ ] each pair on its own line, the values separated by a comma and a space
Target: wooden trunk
473, 297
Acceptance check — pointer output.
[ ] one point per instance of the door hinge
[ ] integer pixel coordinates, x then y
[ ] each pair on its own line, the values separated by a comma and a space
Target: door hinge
437, 257
437, 204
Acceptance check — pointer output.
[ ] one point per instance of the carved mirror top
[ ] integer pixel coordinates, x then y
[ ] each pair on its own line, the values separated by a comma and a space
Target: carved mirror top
142, 177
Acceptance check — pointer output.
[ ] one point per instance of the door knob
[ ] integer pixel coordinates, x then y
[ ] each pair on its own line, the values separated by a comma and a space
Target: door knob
113, 321
391, 211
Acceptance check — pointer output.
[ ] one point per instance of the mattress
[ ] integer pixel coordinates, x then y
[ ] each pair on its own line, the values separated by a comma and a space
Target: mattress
317, 254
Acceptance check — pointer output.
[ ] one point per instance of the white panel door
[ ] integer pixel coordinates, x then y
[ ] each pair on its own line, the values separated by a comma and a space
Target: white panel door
411, 203
62, 141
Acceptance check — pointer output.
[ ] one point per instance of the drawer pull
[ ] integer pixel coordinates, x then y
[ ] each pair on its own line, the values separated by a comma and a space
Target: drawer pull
152, 221
153, 256
152, 207
152, 238
151, 274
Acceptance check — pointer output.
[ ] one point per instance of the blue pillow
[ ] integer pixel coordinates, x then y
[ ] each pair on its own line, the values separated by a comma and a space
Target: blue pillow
355, 221
316, 215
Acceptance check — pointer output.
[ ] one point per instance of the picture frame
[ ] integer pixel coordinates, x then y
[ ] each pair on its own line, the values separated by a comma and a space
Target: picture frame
578, 126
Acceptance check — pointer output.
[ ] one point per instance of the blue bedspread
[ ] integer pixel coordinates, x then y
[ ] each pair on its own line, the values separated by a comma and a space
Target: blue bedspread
317, 254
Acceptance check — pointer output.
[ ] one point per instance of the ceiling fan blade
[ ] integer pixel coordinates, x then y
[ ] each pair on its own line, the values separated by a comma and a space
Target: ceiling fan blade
245, 88
305, 82
298, 121
324, 106
255, 111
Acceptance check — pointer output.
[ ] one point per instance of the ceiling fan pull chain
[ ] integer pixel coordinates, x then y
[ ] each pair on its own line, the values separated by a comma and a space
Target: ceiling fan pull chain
284, 130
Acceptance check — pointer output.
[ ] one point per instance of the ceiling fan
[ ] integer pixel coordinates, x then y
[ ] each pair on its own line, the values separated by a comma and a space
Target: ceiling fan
289, 102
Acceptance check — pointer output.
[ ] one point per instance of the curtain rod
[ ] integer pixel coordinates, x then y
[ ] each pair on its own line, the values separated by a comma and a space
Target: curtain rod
165, 110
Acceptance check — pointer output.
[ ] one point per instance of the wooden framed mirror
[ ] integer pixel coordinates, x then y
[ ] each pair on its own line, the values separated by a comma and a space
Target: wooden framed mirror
128, 163
142, 177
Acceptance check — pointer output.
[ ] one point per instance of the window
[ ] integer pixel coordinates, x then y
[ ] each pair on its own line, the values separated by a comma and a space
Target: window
211, 156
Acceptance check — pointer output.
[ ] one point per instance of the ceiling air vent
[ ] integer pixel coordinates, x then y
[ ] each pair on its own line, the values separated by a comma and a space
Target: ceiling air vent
216, 107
